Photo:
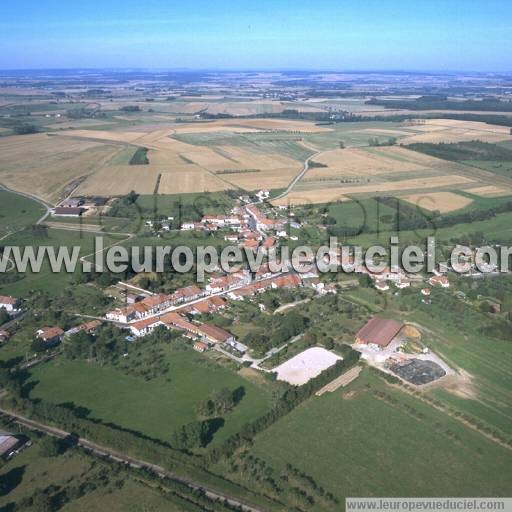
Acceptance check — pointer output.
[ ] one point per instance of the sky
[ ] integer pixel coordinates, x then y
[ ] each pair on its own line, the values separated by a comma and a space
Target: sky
443, 35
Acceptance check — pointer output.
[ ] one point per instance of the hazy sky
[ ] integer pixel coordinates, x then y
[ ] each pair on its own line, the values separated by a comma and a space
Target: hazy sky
277, 34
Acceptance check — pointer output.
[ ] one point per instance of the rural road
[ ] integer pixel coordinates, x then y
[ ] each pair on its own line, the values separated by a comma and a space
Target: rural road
297, 178
103, 451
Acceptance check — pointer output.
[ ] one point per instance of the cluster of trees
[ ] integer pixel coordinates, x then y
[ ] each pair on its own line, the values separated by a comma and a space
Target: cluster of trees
196, 434
109, 344
105, 345
220, 402
24, 129
4, 316
374, 142
408, 217
468, 150
130, 108
276, 331
125, 206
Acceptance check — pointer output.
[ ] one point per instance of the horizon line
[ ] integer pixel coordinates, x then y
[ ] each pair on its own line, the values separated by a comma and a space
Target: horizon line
259, 70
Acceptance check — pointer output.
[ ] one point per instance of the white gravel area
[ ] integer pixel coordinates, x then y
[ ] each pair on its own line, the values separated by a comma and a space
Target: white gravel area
306, 365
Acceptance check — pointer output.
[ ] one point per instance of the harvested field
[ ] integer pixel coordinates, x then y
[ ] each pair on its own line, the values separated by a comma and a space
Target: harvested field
275, 178
43, 165
241, 125
449, 130
305, 366
190, 181
490, 191
117, 180
248, 159
318, 192
103, 135
357, 162
441, 201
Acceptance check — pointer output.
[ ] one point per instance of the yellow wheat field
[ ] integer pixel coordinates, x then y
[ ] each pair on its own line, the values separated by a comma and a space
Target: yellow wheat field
449, 130
358, 162
302, 195
190, 181
45, 165
441, 201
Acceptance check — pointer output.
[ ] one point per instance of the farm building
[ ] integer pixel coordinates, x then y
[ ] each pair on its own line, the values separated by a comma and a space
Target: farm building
50, 335
379, 332
10, 304
8, 443
214, 334
74, 202
67, 212
199, 346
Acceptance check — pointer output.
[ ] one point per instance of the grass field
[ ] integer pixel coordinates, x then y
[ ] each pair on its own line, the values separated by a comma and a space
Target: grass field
46, 280
17, 212
154, 408
346, 438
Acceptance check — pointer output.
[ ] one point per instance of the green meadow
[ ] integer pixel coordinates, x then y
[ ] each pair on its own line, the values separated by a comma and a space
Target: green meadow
357, 443
17, 212
156, 407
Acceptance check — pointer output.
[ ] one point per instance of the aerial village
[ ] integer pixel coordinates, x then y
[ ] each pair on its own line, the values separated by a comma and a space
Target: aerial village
253, 225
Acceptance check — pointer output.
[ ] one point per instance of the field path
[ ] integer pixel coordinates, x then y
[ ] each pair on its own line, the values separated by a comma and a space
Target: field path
298, 177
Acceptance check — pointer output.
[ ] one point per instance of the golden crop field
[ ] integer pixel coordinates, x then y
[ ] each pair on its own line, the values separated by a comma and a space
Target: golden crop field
441, 201
360, 162
304, 194
44, 165
449, 130
241, 125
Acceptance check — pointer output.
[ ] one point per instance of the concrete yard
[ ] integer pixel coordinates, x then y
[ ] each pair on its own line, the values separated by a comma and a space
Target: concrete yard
305, 366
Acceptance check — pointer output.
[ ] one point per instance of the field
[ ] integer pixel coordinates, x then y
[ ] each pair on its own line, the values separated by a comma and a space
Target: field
367, 162
308, 193
413, 455
44, 166
46, 280
448, 130
17, 211
439, 201
237, 153
154, 408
